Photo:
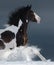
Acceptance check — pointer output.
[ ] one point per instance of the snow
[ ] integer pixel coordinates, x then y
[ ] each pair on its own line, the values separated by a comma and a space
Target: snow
22, 53
27, 63
22, 56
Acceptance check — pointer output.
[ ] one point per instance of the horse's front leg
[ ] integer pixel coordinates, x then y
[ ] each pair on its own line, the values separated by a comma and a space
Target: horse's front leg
25, 39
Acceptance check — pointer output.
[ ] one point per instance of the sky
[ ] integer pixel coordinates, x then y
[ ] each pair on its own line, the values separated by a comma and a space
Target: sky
39, 34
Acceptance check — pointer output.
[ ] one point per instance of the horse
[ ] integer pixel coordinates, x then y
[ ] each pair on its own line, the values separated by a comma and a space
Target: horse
26, 14
22, 15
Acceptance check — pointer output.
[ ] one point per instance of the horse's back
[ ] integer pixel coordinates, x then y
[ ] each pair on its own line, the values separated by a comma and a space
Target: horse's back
12, 28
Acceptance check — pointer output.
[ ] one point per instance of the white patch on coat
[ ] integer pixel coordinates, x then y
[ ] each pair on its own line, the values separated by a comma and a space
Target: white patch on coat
11, 44
13, 28
26, 21
37, 18
20, 24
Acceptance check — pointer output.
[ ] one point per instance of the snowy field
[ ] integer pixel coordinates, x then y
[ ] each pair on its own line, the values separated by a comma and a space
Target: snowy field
27, 63
19, 59
23, 56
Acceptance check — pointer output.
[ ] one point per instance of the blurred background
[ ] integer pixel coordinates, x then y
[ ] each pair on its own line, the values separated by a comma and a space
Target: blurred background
41, 35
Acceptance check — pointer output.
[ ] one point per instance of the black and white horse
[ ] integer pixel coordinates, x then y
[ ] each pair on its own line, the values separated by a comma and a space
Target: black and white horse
17, 30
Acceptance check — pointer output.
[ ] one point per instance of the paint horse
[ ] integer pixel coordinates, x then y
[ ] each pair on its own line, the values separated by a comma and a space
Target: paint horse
25, 14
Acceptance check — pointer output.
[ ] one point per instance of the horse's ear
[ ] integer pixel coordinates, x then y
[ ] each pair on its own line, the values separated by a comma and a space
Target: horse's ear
29, 6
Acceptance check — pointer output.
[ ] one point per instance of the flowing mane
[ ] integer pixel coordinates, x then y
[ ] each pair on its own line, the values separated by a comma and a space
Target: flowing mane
18, 14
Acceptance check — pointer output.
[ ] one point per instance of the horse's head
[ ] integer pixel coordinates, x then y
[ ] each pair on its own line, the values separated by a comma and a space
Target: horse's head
26, 14
32, 16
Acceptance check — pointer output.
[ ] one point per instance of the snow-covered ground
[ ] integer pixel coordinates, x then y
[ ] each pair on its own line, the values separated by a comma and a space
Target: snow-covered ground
22, 53
27, 63
23, 56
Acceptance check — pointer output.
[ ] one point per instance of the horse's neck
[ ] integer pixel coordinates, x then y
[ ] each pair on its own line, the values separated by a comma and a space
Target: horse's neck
23, 28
